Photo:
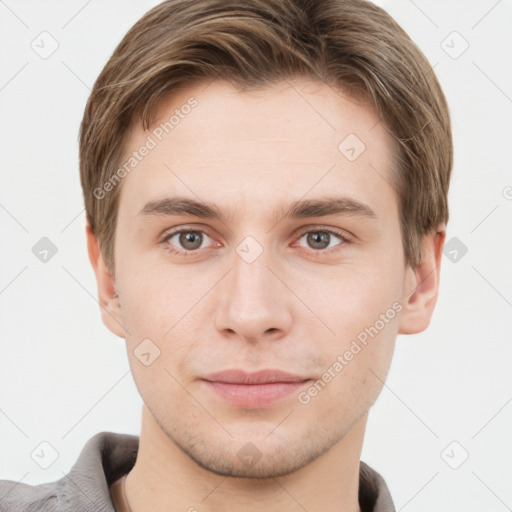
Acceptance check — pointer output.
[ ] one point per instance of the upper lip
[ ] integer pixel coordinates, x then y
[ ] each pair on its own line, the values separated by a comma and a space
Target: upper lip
236, 376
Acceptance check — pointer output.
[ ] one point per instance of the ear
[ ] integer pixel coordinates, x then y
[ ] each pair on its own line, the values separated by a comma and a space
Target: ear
110, 307
422, 285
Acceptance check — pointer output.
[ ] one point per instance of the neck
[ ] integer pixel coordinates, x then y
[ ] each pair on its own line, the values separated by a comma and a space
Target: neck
165, 478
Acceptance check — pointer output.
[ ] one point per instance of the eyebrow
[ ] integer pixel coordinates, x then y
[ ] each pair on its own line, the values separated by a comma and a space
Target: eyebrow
331, 205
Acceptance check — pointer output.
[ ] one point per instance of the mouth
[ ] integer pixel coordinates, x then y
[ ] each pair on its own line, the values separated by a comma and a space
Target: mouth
253, 390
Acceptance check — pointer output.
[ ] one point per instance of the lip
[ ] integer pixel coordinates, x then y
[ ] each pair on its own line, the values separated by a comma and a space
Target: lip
253, 390
267, 376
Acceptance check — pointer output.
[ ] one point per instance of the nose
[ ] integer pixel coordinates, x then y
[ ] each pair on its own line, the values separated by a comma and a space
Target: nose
254, 303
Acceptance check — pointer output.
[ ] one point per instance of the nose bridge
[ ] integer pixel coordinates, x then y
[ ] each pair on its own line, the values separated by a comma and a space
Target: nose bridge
252, 303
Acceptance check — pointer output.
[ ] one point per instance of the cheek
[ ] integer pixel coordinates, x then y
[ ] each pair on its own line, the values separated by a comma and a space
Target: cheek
363, 312
355, 370
354, 299
156, 295
164, 313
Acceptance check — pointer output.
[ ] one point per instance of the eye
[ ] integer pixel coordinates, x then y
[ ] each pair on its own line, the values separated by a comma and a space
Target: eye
187, 240
322, 239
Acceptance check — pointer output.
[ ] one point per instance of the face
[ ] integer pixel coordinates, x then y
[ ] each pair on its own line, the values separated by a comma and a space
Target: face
292, 261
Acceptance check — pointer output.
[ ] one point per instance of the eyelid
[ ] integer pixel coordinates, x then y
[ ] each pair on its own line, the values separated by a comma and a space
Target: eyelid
303, 230
184, 229
344, 235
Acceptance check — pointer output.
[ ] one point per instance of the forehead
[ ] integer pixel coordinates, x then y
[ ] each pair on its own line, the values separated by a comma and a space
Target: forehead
289, 139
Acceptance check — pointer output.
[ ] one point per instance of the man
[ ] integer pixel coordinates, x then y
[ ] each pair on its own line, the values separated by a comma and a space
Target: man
266, 193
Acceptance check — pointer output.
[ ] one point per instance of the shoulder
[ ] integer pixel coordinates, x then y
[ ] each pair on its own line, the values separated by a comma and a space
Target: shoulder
374, 495
19, 497
103, 459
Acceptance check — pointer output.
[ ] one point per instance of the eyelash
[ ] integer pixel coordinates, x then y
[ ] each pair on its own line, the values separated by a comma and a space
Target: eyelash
345, 239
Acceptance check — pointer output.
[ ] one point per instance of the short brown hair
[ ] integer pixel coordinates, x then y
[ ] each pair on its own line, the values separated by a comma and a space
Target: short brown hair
351, 44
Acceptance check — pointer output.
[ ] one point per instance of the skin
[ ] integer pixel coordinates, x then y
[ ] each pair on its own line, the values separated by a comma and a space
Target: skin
295, 308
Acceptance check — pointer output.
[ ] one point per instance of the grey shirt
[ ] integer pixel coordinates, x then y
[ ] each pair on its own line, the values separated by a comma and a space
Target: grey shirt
105, 458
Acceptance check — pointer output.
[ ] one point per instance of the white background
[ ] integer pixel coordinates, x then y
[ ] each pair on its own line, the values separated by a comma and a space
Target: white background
64, 376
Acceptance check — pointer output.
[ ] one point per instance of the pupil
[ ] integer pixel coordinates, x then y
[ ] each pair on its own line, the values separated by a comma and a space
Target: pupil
319, 240
187, 239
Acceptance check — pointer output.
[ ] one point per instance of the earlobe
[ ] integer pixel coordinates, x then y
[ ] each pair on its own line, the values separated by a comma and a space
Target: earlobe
108, 299
421, 285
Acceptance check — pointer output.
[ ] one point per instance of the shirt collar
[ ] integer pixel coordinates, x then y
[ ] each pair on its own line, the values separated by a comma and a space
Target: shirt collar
107, 456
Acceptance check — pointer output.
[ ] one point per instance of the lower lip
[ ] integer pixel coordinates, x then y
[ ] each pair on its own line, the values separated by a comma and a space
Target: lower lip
254, 396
